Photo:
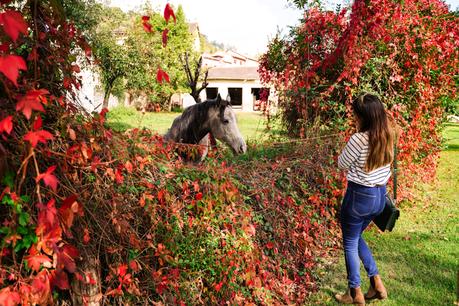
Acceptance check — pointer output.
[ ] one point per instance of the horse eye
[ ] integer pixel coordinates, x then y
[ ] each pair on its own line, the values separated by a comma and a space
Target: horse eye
225, 121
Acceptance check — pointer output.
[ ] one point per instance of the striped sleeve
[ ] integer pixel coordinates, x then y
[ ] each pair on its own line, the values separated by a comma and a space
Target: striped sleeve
351, 152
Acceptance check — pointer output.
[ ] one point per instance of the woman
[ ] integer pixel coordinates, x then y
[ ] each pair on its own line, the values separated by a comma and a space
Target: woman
367, 158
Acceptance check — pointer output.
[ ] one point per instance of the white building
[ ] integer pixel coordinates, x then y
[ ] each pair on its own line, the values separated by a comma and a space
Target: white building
241, 84
234, 75
91, 95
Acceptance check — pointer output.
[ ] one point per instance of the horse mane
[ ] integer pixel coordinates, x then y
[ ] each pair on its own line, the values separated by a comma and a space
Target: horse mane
188, 127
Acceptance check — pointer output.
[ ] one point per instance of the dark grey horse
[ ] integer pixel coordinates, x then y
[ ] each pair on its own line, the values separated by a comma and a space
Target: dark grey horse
211, 116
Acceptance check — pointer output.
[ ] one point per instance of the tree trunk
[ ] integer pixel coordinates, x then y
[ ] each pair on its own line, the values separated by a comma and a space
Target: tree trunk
88, 291
108, 90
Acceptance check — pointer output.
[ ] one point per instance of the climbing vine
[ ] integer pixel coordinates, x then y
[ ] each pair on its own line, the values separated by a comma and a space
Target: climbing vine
406, 52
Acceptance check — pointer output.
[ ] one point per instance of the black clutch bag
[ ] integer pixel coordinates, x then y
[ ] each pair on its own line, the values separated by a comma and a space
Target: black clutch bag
385, 221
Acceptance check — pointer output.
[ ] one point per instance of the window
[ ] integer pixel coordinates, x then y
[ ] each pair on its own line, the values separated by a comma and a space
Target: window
236, 96
211, 92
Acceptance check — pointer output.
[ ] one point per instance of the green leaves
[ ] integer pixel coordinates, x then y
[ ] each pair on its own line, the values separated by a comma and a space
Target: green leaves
140, 45
23, 236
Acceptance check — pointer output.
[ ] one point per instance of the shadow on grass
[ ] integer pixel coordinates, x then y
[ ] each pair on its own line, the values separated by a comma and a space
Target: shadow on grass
451, 147
413, 272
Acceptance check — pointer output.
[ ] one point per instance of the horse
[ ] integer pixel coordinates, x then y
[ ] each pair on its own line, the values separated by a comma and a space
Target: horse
212, 117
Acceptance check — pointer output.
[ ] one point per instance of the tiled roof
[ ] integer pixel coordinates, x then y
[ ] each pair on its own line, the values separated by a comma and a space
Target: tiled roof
193, 27
233, 73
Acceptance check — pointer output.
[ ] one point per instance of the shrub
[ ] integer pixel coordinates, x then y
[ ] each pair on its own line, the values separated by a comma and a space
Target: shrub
404, 51
92, 215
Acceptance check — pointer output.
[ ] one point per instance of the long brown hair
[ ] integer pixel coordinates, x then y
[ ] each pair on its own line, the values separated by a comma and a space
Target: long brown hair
381, 134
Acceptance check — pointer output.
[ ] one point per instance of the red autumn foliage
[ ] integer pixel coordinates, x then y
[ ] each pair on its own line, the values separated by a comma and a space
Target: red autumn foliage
6, 125
13, 23
35, 259
158, 229
162, 76
60, 280
34, 137
48, 178
33, 100
146, 25
10, 66
165, 37
35, 223
9, 298
168, 13
406, 52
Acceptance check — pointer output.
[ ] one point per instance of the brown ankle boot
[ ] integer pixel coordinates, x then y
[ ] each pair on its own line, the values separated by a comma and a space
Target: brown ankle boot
377, 289
352, 296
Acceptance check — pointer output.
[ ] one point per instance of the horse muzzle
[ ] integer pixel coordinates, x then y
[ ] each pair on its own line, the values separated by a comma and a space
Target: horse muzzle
241, 148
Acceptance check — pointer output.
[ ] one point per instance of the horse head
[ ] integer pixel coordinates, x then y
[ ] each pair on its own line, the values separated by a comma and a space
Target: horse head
223, 125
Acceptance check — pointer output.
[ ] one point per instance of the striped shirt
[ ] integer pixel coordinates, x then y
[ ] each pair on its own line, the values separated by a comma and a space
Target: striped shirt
354, 158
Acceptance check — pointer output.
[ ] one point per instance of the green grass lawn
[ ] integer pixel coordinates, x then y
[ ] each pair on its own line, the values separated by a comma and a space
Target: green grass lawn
251, 125
419, 260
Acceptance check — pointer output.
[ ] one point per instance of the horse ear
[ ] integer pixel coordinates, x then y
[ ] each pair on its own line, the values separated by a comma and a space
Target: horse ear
219, 99
228, 98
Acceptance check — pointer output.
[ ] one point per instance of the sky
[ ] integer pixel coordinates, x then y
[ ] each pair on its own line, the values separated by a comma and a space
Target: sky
247, 25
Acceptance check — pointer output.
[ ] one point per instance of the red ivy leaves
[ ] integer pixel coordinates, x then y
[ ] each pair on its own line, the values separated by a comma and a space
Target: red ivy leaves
161, 76
37, 124
10, 66
6, 125
41, 288
69, 208
147, 27
32, 101
34, 137
60, 279
119, 174
165, 32
146, 24
218, 286
13, 23
168, 12
47, 217
9, 298
102, 115
86, 236
49, 178
35, 259
66, 258
4, 47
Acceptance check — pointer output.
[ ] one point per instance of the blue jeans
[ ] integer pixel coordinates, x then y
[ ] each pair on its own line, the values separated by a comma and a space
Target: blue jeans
360, 205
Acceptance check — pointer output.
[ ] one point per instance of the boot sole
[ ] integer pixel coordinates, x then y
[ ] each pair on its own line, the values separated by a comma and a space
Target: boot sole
377, 296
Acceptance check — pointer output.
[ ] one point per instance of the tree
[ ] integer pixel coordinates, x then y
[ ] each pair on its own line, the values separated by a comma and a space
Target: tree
406, 52
193, 78
125, 52
110, 51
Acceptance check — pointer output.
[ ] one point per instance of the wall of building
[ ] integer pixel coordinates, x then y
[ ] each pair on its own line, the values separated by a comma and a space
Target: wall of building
223, 85
90, 95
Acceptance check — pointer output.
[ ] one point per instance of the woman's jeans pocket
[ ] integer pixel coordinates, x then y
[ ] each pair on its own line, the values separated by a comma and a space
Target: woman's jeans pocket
363, 203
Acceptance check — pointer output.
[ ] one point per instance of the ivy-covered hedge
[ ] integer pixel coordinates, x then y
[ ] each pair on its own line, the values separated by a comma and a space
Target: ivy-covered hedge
94, 216
407, 52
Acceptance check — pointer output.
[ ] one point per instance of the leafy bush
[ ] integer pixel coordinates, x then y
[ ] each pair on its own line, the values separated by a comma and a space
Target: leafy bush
404, 51
95, 216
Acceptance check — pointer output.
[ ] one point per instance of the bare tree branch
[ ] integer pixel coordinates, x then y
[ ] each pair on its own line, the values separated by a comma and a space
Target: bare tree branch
194, 78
